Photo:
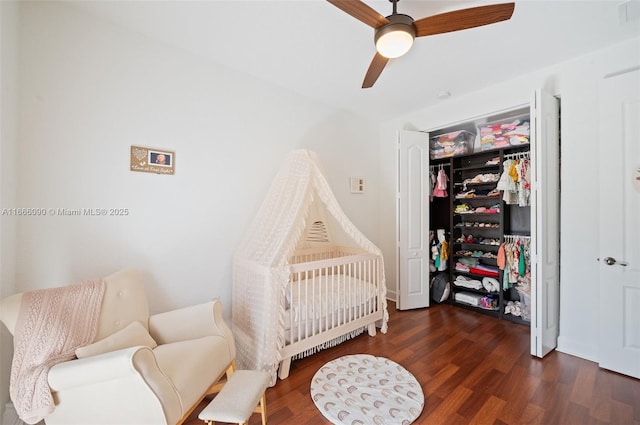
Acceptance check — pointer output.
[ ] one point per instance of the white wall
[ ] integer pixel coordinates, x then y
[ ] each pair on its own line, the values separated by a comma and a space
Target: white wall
90, 90
8, 143
576, 83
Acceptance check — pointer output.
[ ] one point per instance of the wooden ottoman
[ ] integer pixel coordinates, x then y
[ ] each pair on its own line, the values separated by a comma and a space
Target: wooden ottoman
242, 395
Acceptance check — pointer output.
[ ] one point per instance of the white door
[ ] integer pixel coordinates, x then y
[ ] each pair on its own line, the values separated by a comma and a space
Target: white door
545, 218
619, 251
413, 220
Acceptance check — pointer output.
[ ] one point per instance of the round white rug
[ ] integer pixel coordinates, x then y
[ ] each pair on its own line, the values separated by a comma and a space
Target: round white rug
362, 389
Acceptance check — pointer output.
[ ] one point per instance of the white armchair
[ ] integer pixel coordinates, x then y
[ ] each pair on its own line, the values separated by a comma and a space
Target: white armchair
139, 384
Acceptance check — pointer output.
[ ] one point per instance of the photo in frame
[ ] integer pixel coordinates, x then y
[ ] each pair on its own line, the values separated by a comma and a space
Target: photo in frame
150, 160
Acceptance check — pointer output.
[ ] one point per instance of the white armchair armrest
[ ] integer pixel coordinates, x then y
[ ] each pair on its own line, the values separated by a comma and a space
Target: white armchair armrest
190, 323
112, 375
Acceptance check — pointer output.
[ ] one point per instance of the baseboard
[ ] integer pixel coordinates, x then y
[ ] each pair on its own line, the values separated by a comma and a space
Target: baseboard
577, 349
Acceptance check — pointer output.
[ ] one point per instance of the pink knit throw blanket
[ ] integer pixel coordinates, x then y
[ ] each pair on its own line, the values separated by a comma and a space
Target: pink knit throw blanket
51, 324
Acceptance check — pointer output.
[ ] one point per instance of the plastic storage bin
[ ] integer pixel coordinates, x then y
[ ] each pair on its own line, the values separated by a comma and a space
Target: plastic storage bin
468, 298
451, 144
509, 132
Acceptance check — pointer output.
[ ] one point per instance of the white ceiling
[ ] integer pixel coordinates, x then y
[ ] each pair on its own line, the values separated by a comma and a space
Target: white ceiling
315, 49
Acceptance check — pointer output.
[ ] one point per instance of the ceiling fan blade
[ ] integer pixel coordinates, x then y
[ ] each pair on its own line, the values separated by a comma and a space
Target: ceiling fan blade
463, 19
360, 11
375, 69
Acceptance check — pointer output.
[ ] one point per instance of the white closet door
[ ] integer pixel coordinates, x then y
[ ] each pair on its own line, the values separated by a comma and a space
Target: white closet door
619, 250
545, 217
413, 220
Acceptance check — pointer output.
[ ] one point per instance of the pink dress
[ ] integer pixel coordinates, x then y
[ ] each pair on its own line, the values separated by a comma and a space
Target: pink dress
440, 190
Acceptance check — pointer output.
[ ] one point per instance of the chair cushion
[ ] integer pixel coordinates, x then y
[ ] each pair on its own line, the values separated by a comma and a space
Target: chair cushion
193, 365
238, 398
132, 335
124, 301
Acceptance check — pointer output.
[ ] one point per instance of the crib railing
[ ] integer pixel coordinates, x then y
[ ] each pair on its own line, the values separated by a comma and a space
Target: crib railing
323, 253
331, 293
313, 255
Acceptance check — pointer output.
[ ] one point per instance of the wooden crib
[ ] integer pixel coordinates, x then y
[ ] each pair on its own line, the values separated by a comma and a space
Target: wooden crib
332, 295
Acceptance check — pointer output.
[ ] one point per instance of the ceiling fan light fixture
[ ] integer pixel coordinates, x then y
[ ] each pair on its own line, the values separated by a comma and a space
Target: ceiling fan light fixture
394, 34
395, 38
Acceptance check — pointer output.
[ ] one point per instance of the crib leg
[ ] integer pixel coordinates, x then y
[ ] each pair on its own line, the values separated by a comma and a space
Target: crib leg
285, 365
372, 329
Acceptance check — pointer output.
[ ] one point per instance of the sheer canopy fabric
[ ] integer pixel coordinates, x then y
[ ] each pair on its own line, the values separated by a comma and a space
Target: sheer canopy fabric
299, 196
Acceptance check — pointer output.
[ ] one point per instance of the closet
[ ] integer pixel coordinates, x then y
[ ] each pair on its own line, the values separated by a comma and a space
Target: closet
486, 190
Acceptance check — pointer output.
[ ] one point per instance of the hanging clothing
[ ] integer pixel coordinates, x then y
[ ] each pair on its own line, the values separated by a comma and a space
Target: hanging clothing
444, 255
444, 250
501, 260
440, 190
439, 251
432, 183
517, 265
524, 184
515, 182
506, 184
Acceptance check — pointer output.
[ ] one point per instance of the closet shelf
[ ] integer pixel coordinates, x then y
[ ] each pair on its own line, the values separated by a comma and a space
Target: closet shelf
476, 225
467, 253
483, 260
479, 309
476, 245
475, 213
471, 198
481, 231
478, 167
476, 184
476, 275
516, 319
475, 291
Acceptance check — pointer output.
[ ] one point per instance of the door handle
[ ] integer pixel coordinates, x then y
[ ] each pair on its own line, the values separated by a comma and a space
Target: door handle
610, 261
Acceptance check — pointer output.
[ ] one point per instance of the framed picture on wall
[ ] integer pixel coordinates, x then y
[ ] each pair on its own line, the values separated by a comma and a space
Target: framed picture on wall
160, 158
151, 160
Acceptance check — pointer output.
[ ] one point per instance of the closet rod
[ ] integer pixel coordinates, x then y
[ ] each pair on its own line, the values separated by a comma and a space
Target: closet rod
511, 238
518, 155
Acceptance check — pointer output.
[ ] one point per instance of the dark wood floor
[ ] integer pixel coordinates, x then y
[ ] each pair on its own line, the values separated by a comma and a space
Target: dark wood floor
474, 369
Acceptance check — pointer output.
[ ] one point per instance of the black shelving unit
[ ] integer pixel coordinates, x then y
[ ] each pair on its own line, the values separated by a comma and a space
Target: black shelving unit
479, 234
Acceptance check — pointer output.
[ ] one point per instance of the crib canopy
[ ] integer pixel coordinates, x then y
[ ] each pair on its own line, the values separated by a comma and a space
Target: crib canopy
299, 211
